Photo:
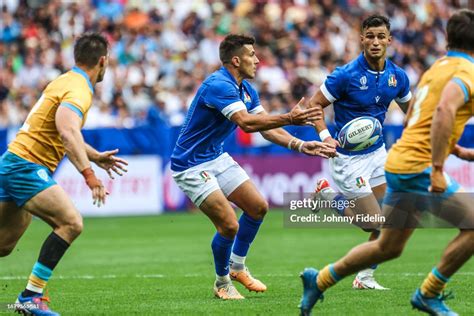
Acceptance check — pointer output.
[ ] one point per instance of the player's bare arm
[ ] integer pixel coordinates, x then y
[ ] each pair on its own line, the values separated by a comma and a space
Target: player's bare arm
463, 153
404, 106
452, 98
68, 124
318, 100
257, 123
281, 137
107, 160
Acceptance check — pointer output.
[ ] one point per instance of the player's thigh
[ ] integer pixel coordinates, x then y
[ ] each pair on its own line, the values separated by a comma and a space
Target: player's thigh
199, 183
247, 197
379, 191
220, 212
13, 223
456, 209
54, 206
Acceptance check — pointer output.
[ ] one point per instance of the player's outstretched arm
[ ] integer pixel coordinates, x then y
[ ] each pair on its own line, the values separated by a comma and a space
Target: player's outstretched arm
463, 153
318, 100
68, 124
313, 148
107, 161
257, 123
452, 98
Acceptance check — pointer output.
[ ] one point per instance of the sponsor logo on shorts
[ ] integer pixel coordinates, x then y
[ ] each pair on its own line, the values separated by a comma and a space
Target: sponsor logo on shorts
43, 175
360, 182
205, 176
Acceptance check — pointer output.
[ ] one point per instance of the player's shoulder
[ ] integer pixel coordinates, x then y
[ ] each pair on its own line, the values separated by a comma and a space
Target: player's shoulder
391, 66
71, 81
465, 65
248, 86
220, 82
352, 69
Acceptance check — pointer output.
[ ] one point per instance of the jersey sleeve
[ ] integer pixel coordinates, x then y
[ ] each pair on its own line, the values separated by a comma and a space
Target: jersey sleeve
405, 94
78, 100
465, 80
256, 106
224, 97
335, 85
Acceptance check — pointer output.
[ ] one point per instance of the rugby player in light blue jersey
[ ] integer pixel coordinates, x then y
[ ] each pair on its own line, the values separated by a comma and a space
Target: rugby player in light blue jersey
364, 87
211, 178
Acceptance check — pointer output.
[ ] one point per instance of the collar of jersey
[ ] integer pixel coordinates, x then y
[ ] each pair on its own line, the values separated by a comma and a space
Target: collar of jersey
229, 75
364, 63
86, 76
453, 53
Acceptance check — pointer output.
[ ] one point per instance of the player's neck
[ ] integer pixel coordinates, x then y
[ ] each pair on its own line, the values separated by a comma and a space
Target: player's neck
375, 64
235, 73
91, 73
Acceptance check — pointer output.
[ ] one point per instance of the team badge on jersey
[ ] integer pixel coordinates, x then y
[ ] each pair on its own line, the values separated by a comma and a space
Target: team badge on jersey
392, 81
205, 176
363, 82
360, 182
247, 97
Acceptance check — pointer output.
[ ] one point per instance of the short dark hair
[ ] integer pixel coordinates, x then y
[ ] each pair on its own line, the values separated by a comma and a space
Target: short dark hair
460, 30
376, 20
89, 48
231, 46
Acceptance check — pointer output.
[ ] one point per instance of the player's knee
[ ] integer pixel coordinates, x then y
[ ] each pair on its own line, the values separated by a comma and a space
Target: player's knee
74, 227
390, 251
229, 229
261, 210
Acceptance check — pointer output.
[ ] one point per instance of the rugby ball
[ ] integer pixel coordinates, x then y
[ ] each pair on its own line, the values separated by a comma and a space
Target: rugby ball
360, 133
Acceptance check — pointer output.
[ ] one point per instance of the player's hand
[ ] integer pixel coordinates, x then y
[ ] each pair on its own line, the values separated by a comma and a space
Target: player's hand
461, 152
98, 190
438, 181
315, 148
299, 116
109, 162
331, 141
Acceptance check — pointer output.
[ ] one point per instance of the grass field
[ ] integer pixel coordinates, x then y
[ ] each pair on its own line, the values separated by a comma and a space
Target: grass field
163, 265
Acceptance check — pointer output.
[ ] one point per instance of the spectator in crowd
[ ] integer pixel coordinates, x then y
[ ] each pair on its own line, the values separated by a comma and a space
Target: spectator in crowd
161, 50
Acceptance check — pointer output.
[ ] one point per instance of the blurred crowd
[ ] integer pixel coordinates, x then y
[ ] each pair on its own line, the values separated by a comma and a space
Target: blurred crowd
161, 50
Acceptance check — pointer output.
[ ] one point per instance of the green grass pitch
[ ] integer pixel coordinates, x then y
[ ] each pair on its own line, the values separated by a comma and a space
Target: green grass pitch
163, 265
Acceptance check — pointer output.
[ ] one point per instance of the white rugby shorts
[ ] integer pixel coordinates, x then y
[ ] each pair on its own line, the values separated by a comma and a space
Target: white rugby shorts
357, 175
222, 173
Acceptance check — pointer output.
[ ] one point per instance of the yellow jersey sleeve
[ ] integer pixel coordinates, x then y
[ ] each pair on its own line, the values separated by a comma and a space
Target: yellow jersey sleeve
465, 80
77, 100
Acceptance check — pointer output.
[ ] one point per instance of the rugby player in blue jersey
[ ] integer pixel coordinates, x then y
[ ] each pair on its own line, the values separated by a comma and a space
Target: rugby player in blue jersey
211, 178
364, 87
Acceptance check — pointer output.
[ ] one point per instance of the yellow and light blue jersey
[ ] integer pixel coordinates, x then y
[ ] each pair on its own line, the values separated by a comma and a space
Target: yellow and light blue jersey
38, 139
412, 152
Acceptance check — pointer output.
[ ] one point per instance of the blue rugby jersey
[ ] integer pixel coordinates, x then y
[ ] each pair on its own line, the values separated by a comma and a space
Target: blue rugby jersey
355, 90
208, 122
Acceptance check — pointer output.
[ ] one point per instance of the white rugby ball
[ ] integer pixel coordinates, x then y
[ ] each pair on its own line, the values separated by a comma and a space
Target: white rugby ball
360, 133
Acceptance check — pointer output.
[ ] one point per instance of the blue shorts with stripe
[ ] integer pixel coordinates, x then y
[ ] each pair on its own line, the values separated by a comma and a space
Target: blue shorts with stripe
20, 179
415, 187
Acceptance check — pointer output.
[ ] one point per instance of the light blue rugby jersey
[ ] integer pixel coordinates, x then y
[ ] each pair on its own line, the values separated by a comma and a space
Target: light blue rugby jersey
355, 90
208, 122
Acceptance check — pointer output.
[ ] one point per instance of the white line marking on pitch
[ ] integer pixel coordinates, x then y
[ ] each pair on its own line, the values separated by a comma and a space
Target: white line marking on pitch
191, 275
